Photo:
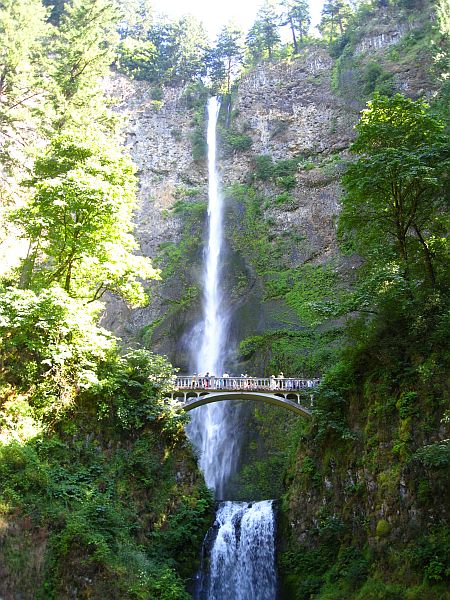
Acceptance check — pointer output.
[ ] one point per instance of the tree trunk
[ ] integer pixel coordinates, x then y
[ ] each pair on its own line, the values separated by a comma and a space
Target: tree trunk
68, 277
70, 261
28, 264
427, 256
294, 37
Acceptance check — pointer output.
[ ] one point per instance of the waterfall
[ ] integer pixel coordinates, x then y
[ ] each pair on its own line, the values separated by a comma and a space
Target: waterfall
242, 555
210, 352
214, 428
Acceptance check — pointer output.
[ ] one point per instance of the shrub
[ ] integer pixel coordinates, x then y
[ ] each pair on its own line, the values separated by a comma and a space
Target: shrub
375, 589
50, 341
236, 141
408, 405
263, 167
287, 182
435, 455
157, 93
198, 140
382, 529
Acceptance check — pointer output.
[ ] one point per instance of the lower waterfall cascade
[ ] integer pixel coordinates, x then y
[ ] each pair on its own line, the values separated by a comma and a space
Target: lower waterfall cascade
241, 543
242, 557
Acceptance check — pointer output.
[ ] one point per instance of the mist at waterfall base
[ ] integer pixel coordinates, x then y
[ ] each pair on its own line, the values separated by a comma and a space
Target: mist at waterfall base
241, 544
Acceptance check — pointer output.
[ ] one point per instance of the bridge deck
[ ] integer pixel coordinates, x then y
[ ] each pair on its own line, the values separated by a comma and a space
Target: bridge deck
270, 384
193, 391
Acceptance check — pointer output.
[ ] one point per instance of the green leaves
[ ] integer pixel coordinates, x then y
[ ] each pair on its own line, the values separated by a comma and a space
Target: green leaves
335, 17
394, 122
79, 222
395, 201
23, 33
50, 343
296, 15
172, 52
225, 58
134, 389
435, 456
263, 37
84, 48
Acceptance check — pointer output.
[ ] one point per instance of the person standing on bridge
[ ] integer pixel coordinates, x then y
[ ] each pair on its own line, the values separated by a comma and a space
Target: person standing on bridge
194, 380
225, 381
207, 379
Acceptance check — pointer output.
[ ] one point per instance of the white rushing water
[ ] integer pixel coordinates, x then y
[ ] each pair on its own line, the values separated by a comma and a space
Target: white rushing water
214, 427
242, 565
211, 350
242, 557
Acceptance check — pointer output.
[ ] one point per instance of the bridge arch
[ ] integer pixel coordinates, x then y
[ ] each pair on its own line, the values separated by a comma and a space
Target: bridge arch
274, 399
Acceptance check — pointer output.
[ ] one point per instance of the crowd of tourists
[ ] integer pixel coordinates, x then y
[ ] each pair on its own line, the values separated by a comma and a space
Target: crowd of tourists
244, 381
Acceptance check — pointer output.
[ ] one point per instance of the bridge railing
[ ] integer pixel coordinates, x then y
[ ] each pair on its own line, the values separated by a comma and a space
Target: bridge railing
286, 384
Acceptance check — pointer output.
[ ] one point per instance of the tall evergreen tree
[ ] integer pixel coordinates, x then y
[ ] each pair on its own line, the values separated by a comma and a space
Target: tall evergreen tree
227, 54
335, 16
56, 9
263, 36
137, 19
189, 48
22, 32
171, 52
83, 50
295, 13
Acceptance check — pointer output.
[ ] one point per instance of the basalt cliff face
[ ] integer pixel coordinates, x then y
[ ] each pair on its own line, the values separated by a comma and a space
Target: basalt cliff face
303, 109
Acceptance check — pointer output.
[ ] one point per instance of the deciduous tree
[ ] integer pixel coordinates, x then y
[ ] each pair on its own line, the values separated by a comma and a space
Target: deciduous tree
78, 222
395, 197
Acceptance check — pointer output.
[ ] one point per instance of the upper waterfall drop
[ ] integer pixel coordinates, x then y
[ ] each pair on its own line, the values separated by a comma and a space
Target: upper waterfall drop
214, 429
210, 353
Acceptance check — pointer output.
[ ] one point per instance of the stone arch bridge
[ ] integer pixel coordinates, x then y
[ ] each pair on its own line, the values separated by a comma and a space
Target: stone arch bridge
295, 395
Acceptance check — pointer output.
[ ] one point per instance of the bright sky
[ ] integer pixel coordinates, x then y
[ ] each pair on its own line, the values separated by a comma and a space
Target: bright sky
215, 14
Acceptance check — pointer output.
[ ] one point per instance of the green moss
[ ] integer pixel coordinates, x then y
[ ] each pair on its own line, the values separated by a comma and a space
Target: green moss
375, 589
382, 529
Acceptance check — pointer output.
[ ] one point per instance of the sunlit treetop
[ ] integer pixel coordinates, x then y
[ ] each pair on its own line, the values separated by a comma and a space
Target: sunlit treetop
392, 122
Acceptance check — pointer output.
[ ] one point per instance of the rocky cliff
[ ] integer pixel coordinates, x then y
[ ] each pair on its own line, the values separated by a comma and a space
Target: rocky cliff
302, 109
